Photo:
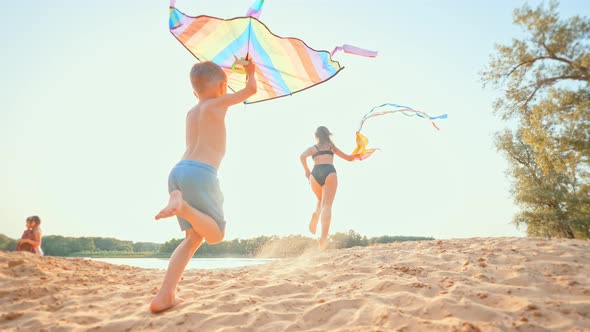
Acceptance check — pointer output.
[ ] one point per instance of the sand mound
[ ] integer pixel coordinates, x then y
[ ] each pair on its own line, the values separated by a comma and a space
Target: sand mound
483, 284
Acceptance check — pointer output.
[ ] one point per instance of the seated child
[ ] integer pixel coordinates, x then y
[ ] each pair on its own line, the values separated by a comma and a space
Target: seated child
31, 239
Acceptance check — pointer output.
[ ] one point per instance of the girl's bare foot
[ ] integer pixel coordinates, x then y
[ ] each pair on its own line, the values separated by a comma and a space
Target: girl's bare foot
161, 303
313, 223
173, 207
323, 243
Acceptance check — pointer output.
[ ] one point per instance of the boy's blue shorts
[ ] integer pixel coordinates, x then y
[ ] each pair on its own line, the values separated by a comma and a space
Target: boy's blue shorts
200, 189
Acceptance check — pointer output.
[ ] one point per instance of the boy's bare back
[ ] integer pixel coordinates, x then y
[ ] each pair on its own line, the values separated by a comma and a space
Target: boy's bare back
205, 143
205, 123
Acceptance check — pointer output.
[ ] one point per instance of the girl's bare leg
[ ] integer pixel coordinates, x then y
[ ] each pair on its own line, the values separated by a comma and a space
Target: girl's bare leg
317, 190
328, 194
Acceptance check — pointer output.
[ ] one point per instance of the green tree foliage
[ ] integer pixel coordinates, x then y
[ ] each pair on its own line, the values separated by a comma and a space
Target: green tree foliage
390, 239
544, 78
145, 246
353, 239
169, 246
231, 248
262, 246
66, 245
7, 243
348, 240
280, 247
110, 244
87, 244
56, 245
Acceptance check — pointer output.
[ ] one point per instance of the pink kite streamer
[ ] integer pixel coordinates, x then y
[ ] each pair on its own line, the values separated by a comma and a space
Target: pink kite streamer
354, 50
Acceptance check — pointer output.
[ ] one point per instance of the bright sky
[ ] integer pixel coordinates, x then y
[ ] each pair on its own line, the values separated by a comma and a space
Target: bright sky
93, 97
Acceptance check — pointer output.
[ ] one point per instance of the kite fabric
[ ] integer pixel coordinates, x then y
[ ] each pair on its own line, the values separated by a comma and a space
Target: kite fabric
283, 65
387, 108
361, 147
256, 9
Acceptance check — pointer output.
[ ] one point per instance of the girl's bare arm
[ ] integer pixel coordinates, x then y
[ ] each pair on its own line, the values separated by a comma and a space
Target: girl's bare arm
343, 155
303, 158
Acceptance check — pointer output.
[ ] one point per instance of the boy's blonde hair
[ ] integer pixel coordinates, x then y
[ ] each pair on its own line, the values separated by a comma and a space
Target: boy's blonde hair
206, 74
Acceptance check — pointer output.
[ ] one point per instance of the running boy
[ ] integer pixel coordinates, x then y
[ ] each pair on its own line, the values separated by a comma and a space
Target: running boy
195, 197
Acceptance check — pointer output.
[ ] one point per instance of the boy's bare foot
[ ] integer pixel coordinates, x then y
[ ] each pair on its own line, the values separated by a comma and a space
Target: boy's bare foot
313, 223
173, 207
161, 303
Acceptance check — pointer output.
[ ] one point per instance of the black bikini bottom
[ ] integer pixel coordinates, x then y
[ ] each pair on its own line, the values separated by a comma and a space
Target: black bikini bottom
320, 172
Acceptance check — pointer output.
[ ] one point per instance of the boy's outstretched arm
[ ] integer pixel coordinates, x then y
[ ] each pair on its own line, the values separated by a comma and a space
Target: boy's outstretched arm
239, 96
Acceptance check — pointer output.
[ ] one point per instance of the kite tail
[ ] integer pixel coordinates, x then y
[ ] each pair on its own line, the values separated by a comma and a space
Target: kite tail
362, 141
256, 9
354, 50
405, 110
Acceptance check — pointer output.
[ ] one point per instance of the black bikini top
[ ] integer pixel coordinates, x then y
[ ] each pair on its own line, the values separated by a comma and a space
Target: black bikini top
321, 152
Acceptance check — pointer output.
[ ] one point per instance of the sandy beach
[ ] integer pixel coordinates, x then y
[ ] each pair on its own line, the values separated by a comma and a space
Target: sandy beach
478, 284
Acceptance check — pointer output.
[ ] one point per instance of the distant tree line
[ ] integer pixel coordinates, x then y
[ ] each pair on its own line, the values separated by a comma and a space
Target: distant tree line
288, 246
7, 243
262, 246
56, 245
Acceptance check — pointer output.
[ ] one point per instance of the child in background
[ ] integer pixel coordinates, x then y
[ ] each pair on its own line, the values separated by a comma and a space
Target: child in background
31, 239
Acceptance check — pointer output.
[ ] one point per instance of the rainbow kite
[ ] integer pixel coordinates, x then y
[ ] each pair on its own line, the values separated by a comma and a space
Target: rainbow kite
284, 66
387, 108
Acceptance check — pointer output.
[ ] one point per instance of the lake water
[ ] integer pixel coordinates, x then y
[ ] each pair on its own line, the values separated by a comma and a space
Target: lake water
195, 263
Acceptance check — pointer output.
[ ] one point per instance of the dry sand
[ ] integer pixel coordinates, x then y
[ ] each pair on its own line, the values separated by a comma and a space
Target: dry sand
487, 284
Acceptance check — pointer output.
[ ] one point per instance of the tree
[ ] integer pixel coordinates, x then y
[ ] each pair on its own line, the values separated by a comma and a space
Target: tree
7, 243
56, 245
348, 240
545, 79
145, 246
389, 239
110, 244
169, 246
87, 244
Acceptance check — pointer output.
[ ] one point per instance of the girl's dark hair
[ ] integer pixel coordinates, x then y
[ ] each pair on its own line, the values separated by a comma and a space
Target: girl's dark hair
35, 219
323, 135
